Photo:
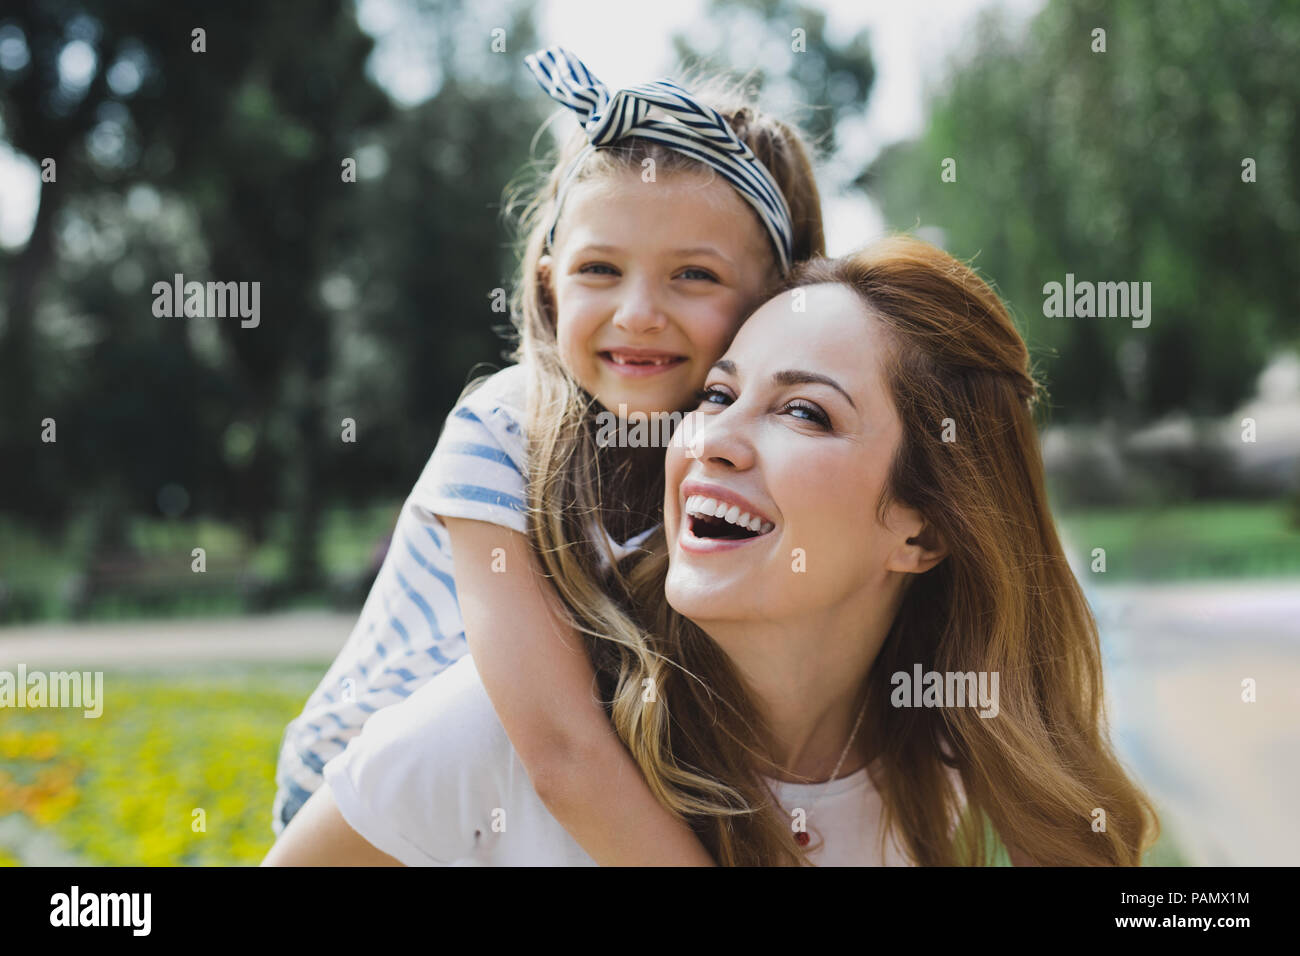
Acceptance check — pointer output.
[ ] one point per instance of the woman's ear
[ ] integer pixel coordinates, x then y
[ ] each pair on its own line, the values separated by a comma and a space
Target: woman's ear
917, 546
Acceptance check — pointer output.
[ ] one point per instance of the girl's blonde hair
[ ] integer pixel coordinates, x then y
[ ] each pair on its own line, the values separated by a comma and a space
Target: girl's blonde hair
571, 486
1004, 600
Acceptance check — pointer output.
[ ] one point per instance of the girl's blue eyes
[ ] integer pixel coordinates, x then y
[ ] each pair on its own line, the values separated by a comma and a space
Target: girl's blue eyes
815, 415
694, 273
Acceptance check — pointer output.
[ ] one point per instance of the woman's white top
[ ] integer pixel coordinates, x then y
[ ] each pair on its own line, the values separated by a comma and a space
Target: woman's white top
434, 781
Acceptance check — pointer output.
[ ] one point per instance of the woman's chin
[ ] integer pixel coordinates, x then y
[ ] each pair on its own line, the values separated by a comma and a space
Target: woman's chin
703, 596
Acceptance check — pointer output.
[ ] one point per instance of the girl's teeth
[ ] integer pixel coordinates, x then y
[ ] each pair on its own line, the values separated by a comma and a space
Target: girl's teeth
733, 514
755, 523
743, 520
709, 507
623, 361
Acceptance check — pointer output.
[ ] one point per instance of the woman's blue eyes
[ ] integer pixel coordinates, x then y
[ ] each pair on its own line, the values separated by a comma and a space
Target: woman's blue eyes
814, 414
705, 394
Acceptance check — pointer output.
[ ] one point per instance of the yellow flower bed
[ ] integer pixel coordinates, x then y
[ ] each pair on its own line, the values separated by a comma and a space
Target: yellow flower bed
123, 789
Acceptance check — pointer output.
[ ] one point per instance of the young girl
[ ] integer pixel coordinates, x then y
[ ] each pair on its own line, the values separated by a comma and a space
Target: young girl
662, 224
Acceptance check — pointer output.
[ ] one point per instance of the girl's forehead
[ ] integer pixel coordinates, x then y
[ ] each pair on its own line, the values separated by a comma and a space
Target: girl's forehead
697, 182
680, 205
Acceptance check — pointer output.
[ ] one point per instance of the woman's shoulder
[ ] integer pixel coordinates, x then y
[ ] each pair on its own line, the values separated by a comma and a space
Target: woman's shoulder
445, 730
447, 718
414, 782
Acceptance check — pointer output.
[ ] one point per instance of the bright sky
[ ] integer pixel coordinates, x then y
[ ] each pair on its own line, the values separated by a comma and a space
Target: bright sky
910, 42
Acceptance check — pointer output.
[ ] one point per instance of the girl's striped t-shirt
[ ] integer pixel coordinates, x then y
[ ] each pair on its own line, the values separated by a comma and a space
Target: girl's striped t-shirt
410, 627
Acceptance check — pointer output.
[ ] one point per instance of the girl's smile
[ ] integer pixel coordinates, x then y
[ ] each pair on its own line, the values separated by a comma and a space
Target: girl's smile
639, 363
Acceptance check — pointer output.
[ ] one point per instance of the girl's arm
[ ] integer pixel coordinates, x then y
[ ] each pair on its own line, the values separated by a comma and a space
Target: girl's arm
318, 835
539, 678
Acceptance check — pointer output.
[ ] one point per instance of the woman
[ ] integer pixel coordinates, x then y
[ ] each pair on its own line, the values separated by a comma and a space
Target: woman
859, 502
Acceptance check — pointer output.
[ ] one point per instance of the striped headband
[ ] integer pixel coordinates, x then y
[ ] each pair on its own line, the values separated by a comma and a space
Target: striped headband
690, 128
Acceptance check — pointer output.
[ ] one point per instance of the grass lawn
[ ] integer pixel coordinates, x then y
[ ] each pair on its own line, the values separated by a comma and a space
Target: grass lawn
1195, 541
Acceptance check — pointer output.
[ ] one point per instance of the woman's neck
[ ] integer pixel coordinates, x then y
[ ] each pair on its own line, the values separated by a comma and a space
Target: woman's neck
808, 680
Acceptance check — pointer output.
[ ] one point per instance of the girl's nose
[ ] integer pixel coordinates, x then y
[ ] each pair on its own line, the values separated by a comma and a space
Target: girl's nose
639, 312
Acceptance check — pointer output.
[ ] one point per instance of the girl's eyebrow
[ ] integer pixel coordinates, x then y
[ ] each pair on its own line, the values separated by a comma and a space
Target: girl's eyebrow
701, 251
684, 253
791, 376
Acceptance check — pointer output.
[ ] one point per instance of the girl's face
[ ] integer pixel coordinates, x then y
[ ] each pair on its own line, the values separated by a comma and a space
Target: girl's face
796, 429
651, 281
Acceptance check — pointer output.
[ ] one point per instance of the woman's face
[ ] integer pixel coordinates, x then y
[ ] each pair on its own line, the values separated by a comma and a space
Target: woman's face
796, 429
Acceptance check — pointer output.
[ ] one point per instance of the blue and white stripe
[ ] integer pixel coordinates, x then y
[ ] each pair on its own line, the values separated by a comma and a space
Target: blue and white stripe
690, 127
410, 628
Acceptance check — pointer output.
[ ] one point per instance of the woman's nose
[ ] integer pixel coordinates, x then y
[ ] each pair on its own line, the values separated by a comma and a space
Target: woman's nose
639, 311
720, 439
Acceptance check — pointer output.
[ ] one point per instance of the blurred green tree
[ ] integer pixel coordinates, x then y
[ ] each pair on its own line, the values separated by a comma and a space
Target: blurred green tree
785, 50
226, 165
1124, 165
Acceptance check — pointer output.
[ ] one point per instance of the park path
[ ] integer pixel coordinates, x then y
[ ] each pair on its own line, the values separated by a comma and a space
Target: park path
293, 636
1225, 773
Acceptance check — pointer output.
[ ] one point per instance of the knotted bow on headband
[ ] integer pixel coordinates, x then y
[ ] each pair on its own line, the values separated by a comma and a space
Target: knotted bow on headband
690, 127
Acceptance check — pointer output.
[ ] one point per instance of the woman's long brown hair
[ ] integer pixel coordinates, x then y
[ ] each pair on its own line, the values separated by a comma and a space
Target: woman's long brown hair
1042, 773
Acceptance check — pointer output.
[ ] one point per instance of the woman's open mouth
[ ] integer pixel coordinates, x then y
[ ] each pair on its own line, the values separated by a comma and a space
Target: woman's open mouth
637, 364
708, 519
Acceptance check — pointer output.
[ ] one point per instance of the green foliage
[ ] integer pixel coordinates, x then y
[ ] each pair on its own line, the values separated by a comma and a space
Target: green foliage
1125, 166
46, 576
227, 167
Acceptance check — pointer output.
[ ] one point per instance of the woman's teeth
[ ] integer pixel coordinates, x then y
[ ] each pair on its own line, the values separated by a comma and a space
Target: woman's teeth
703, 507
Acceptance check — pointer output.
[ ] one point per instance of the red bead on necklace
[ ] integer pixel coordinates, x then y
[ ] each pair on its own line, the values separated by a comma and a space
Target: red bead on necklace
802, 838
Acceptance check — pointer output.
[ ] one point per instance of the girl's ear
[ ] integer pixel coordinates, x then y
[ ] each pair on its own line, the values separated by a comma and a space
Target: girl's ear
546, 280
917, 546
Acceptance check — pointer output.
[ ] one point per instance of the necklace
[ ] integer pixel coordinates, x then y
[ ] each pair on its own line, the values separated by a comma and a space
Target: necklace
801, 836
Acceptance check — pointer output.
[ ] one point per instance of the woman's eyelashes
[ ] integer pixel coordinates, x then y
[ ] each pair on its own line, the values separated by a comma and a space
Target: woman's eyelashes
815, 414
810, 412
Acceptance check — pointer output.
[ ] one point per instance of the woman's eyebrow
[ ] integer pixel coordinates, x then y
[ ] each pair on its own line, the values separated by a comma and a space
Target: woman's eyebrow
792, 377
